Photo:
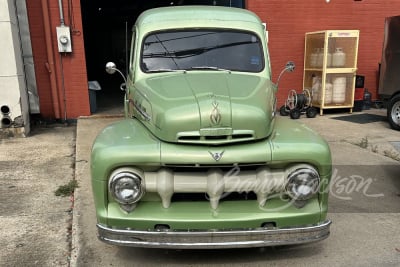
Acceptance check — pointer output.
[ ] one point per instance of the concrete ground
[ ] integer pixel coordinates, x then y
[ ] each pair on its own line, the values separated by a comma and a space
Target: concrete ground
364, 203
35, 223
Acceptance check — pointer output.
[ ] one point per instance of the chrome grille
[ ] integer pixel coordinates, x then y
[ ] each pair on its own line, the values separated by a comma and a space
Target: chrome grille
216, 136
215, 182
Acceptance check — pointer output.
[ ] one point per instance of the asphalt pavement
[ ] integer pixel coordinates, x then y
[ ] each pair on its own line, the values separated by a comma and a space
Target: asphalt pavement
36, 224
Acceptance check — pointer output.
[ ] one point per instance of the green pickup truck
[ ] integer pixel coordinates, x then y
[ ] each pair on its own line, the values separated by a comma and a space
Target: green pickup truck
201, 161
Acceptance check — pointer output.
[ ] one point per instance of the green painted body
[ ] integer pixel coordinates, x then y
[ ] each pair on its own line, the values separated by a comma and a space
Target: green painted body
180, 104
168, 123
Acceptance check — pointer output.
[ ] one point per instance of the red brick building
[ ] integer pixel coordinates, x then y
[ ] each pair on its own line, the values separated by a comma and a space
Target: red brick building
98, 32
61, 78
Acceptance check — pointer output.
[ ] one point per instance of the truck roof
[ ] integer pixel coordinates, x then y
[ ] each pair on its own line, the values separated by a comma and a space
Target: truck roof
194, 16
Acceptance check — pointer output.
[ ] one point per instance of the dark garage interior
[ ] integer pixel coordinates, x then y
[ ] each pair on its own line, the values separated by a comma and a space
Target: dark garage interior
107, 32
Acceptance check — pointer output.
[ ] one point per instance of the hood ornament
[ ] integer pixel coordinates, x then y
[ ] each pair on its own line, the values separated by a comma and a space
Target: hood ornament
216, 156
215, 116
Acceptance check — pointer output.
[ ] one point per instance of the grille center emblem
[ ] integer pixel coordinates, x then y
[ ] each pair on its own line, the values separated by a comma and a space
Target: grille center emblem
215, 116
216, 156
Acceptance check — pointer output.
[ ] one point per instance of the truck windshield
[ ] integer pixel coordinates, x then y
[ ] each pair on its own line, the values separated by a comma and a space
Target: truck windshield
202, 50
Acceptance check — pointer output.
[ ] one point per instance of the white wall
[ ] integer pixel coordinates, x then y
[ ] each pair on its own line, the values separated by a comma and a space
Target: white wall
13, 93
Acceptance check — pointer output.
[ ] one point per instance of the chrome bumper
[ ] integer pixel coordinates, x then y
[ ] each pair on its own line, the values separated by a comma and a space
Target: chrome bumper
214, 239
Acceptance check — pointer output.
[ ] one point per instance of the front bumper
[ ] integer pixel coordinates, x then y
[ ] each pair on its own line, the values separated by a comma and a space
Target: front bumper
213, 239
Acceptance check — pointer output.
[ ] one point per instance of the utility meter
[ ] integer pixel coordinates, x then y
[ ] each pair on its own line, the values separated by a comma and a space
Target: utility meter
64, 39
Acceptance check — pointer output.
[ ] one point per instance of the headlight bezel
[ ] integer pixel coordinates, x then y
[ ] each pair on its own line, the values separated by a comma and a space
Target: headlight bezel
302, 182
126, 179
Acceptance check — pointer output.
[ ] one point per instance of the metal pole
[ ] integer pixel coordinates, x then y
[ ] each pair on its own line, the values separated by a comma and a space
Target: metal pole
60, 8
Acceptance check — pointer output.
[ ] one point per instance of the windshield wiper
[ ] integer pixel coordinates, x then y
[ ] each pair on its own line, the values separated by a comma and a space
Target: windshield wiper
165, 70
208, 68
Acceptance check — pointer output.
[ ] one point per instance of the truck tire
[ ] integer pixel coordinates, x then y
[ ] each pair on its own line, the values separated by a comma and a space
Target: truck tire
393, 112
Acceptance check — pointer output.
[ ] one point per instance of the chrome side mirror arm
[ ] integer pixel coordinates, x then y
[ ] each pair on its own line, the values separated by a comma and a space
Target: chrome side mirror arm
290, 66
111, 68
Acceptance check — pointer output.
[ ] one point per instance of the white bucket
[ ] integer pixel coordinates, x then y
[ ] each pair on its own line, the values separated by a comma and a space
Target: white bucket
339, 90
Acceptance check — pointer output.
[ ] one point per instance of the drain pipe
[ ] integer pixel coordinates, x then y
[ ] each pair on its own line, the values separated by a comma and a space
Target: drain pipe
50, 58
6, 120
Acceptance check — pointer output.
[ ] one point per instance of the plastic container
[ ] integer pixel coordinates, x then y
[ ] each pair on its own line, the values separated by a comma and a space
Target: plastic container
314, 58
315, 90
338, 58
367, 99
328, 93
339, 90
320, 58
93, 87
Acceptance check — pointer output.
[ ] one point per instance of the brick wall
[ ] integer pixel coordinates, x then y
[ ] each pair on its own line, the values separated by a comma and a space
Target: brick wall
70, 69
289, 20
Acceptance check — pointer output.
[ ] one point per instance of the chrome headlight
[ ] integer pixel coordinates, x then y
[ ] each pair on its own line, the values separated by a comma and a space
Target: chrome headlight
302, 183
126, 187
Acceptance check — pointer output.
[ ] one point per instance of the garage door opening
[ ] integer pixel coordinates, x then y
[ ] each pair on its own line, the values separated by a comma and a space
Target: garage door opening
107, 31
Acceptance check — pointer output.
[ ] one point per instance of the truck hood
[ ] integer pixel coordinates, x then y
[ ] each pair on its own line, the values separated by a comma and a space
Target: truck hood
205, 107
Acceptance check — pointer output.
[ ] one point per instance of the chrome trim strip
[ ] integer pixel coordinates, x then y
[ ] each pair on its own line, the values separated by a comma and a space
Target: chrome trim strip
143, 113
213, 239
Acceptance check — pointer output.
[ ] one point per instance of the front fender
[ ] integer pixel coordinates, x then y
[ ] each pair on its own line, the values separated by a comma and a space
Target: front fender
121, 144
117, 145
295, 142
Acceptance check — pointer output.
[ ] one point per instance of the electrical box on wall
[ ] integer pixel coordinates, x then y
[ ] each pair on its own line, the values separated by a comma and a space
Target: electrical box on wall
64, 39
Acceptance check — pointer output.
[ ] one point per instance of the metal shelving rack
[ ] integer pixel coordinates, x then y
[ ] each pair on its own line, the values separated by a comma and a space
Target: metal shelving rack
330, 62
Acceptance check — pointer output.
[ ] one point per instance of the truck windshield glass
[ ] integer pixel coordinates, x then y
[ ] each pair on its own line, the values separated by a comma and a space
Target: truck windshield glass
202, 50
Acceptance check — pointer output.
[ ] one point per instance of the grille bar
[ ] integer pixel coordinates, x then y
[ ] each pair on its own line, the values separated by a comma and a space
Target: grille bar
215, 182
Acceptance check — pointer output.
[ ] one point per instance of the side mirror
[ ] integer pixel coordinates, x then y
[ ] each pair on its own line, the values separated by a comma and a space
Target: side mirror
289, 67
111, 68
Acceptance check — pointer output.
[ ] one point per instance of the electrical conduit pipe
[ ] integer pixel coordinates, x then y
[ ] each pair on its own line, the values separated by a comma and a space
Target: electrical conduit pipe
50, 59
